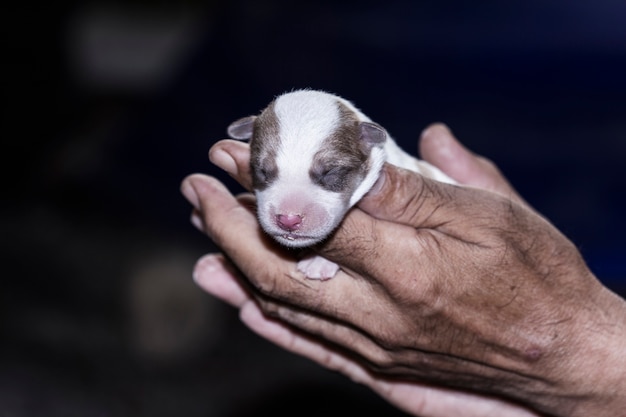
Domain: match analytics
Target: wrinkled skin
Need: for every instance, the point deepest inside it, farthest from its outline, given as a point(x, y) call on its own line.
point(451, 300)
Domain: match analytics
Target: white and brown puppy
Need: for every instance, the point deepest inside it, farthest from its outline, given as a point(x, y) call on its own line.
point(313, 155)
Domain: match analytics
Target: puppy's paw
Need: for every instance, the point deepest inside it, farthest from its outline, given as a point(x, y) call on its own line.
point(316, 267)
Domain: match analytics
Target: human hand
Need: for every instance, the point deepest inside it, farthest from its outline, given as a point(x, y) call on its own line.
point(460, 287)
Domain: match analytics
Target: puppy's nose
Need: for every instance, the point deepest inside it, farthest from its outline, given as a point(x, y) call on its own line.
point(289, 222)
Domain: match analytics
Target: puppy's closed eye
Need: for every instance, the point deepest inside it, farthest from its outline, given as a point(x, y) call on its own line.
point(334, 179)
point(264, 173)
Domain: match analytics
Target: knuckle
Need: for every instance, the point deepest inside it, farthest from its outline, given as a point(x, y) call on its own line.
point(488, 164)
point(356, 238)
point(265, 284)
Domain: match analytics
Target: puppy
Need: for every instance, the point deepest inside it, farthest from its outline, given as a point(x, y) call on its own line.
point(313, 155)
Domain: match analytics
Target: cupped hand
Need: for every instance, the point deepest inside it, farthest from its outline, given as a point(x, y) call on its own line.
point(450, 299)
point(219, 277)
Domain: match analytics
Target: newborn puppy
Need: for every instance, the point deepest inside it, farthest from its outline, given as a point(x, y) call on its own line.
point(313, 155)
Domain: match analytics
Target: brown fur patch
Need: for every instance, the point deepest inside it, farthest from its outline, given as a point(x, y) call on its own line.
point(264, 148)
point(341, 163)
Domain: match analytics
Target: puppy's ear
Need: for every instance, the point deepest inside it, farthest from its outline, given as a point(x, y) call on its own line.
point(372, 135)
point(242, 129)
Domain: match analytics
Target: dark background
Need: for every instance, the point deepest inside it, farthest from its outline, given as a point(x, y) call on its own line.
point(109, 105)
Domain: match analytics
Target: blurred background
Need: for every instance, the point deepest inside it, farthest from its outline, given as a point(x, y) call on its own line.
point(109, 105)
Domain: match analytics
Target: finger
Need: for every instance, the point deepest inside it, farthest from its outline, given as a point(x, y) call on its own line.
point(425, 400)
point(233, 157)
point(288, 338)
point(196, 220)
point(189, 192)
point(439, 147)
point(382, 349)
point(229, 222)
point(405, 197)
point(214, 274)
point(270, 267)
point(347, 326)
point(412, 397)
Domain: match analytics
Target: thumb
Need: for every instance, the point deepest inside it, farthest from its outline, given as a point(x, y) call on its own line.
point(407, 214)
point(405, 197)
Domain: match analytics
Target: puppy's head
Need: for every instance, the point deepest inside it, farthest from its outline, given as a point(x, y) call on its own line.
point(311, 159)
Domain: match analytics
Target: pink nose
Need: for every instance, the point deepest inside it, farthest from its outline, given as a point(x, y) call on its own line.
point(289, 222)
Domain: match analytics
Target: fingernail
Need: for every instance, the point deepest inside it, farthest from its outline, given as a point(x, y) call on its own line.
point(379, 184)
point(190, 194)
point(196, 220)
point(204, 268)
point(436, 131)
point(223, 160)
point(441, 137)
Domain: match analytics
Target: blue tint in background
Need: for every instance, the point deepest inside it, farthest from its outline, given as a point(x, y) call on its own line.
point(111, 104)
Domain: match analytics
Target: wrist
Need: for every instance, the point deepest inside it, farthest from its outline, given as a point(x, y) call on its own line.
point(593, 372)
point(605, 361)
